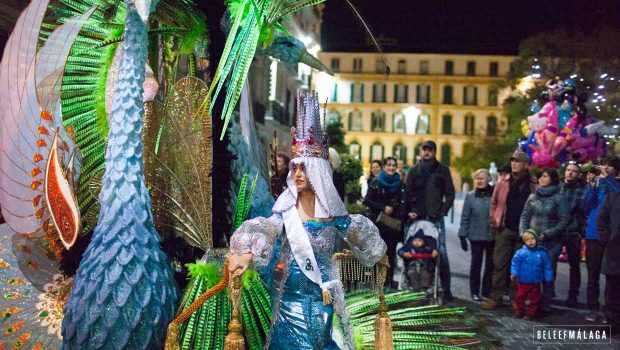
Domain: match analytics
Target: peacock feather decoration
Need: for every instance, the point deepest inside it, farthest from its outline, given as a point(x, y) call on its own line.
point(124, 294)
point(254, 24)
point(39, 164)
point(416, 324)
point(206, 328)
point(92, 67)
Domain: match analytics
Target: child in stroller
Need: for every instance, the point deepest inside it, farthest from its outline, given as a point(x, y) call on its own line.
point(419, 253)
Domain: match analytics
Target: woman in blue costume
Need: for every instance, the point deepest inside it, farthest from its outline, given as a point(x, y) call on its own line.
point(311, 218)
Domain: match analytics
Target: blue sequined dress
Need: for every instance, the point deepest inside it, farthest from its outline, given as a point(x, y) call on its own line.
point(300, 319)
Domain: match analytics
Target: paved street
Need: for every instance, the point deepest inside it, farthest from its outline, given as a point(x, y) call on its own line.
point(517, 333)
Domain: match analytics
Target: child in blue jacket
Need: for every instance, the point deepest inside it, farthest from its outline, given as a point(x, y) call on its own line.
point(530, 266)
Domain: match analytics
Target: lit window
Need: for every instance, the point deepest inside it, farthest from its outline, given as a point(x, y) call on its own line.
point(401, 92)
point(378, 121)
point(356, 121)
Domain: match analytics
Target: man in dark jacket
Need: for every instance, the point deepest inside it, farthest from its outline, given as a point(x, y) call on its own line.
point(608, 225)
point(507, 202)
point(430, 195)
point(594, 194)
point(572, 190)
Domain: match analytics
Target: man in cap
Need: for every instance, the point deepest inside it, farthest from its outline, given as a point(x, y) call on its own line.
point(430, 195)
point(506, 207)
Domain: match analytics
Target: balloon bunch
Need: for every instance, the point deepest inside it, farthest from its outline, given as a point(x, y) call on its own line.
point(562, 129)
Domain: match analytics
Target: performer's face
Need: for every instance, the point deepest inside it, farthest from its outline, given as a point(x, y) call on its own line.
point(299, 175)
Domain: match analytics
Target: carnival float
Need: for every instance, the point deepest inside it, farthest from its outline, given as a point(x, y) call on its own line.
point(124, 164)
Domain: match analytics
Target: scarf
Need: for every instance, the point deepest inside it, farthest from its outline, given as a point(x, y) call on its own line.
point(390, 182)
point(547, 191)
point(427, 167)
point(518, 179)
point(484, 192)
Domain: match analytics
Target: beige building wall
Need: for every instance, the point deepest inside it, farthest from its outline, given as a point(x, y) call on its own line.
point(420, 73)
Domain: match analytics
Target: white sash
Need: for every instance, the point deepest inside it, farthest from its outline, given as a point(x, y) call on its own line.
point(300, 246)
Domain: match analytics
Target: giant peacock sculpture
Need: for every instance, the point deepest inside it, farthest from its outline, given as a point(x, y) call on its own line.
point(124, 293)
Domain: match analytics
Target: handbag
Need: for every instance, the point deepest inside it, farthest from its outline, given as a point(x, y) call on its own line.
point(389, 222)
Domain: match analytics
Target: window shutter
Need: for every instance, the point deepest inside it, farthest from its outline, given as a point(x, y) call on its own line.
point(417, 93)
point(396, 93)
point(475, 95)
point(384, 93)
point(464, 95)
point(428, 94)
point(406, 93)
point(352, 92)
point(362, 92)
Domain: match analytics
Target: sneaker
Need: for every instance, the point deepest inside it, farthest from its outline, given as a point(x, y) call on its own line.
point(489, 304)
point(592, 316)
point(476, 297)
point(447, 297)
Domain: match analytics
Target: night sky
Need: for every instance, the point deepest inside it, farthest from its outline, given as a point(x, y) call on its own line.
point(459, 26)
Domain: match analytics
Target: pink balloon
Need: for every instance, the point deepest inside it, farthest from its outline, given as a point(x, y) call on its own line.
point(558, 145)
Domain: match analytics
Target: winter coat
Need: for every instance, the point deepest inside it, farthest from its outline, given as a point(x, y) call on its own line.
point(592, 201)
point(547, 214)
point(532, 265)
point(497, 209)
point(430, 196)
point(475, 224)
point(572, 195)
point(608, 225)
point(378, 197)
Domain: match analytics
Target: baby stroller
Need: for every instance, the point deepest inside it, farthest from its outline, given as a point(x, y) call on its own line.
point(400, 270)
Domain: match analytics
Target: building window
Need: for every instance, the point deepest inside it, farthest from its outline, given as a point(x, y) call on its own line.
point(492, 97)
point(336, 64)
point(357, 92)
point(447, 95)
point(471, 68)
point(449, 68)
point(357, 65)
point(335, 93)
point(493, 69)
point(399, 124)
point(492, 126)
point(400, 152)
point(378, 122)
point(333, 118)
point(424, 67)
point(401, 92)
point(445, 154)
point(378, 92)
point(402, 67)
point(355, 150)
point(446, 124)
point(422, 126)
point(418, 152)
point(470, 95)
point(470, 122)
point(356, 121)
point(376, 151)
point(380, 66)
point(423, 94)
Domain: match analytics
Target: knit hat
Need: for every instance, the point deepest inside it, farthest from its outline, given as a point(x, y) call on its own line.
point(419, 234)
point(532, 232)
